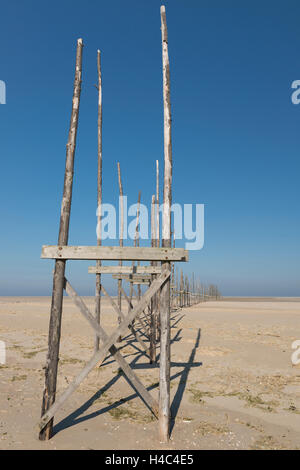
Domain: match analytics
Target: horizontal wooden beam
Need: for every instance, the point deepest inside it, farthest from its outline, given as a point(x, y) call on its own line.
point(139, 283)
point(125, 270)
point(133, 277)
point(114, 253)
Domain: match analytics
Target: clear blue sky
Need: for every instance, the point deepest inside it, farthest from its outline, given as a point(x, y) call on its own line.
point(236, 134)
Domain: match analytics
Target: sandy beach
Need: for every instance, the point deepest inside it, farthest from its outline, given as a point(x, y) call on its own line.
point(233, 383)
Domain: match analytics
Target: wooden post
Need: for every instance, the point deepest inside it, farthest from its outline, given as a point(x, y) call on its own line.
point(138, 263)
point(121, 234)
point(164, 371)
point(152, 305)
point(177, 288)
point(135, 240)
point(157, 205)
point(99, 199)
point(157, 297)
point(181, 289)
point(59, 271)
point(173, 275)
point(186, 291)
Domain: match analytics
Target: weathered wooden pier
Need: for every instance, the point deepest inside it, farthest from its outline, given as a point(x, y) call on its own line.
point(150, 310)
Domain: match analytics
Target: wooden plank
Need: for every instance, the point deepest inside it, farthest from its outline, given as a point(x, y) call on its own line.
point(125, 270)
point(141, 283)
point(100, 355)
point(59, 270)
point(114, 253)
point(132, 277)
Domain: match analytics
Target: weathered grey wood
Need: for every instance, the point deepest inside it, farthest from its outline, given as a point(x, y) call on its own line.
point(99, 199)
point(125, 270)
point(181, 289)
point(172, 273)
point(59, 271)
point(133, 277)
point(130, 307)
point(135, 242)
point(157, 296)
point(139, 317)
point(152, 337)
point(141, 283)
point(137, 239)
point(164, 371)
point(157, 205)
point(120, 314)
point(121, 235)
point(100, 355)
point(139, 387)
point(127, 253)
point(177, 288)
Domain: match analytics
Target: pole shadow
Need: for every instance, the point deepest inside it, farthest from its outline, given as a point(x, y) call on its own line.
point(183, 381)
point(76, 416)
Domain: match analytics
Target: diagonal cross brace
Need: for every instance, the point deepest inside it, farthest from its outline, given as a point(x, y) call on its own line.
point(130, 308)
point(113, 350)
point(120, 314)
point(107, 343)
point(143, 323)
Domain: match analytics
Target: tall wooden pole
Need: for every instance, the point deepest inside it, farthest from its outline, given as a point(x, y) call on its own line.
point(121, 235)
point(153, 303)
point(177, 289)
point(181, 289)
point(99, 198)
point(157, 296)
point(157, 205)
point(164, 374)
point(173, 274)
point(136, 235)
point(59, 271)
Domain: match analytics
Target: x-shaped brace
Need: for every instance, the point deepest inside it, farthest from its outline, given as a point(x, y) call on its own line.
point(108, 344)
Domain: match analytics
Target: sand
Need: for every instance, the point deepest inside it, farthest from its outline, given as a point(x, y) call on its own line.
point(233, 383)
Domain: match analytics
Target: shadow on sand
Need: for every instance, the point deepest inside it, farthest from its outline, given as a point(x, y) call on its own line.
point(76, 417)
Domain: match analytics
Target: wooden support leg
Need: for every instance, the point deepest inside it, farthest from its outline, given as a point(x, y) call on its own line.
point(59, 271)
point(53, 346)
point(99, 198)
point(152, 336)
point(164, 370)
point(97, 307)
point(152, 304)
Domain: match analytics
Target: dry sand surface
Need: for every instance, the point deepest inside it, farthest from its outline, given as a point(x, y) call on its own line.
point(233, 383)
